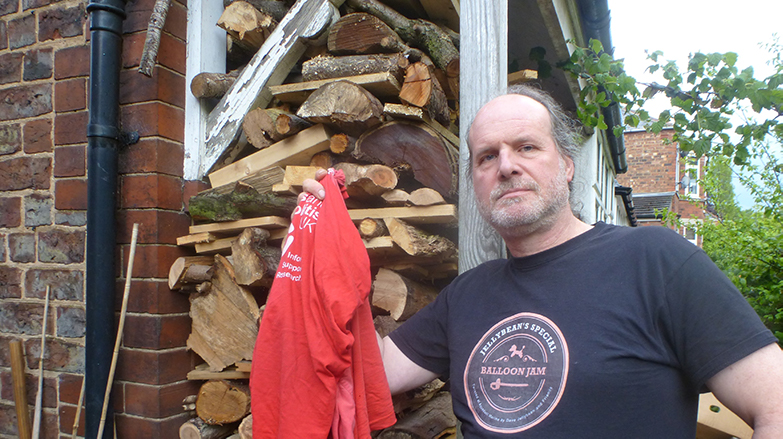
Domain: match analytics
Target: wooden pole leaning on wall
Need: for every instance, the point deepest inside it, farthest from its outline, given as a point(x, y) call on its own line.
point(39, 395)
point(123, 310)
point(20, 390)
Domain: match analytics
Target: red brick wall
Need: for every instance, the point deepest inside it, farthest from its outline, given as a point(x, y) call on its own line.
point(651, 162)
point(44, 68)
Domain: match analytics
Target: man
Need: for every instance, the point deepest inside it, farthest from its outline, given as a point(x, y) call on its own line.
point(589, 330)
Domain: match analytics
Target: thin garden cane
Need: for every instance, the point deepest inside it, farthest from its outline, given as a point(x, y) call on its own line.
point(39, 396)
point(78, 411)
point(119, 330)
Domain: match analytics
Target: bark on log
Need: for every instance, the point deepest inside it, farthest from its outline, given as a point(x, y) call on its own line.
point(246, 24)
point(221, 402)
point(408, 144)
point(197, 429)
point(399, 296)
point(276, 8)
point(152, 41)
point(351, 108)
point(212, 85)
point(370, 228)
point(249, 268)
point(262, 181)
point(433, 420)
point(361, 33)
point(190, 270)
point(264, 127)
point(225, 320)
point(384, 325)
point(418, 397)
point(245, 429)
point(417, 242)
point(425, 197)
point(422, 89)
point(364, 182)
point(329, 67)
point(243, 202)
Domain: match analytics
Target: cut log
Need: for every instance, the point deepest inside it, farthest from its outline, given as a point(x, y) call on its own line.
point(152, 41)
point(197, 429)
point(225, 320)
point(190, 270)
point(435, 419)
point(382, 85)
point(370, 228)
point(425, 197)
point(396, 197)
point(276, 8)
point(361, 33)
point(342, 143)
point(399, 296)
point(350, 107)
point(422, 89)
point(330, 67)
point(242, 203)
point(294, 150)
point(249, 26)
point(367, 181)
point(322, 159)
point(212, 85)
point(261, 126)
point(221, 402)
point(250, 269)
point(189, 405)
point(402, 111)
point(434, 162)
point(287, 124)
point(245, 429)
point(417, 242)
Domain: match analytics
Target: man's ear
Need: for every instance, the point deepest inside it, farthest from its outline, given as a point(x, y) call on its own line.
point(569, 168)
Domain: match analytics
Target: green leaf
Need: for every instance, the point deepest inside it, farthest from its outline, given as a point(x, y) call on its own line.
point(596, 46)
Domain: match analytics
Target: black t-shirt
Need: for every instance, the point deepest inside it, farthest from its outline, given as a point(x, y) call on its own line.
point(611, 334)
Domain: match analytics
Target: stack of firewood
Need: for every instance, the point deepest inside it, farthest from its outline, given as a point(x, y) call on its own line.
point(374, 96)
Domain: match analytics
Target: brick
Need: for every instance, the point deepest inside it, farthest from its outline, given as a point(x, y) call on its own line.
point(70, 95)
point(154, 119)
point(65, 284)
point(10, 139)
point(2, 252)
point(38, 136)
point(67, 414)
point(152, 155)
point(25, 173)
point(8, 7)
point(151, 190)
point(10, 282)
point(71, 322)
point(155, 226)
point(192, 187)
point(164, 85)
point(8, 425)
point(38, 210)
point(69, 388)
point(156, 332)
point(38, 64)
point(61, 246)
point(25, 101)
point(32, 4)
point(157, 401)
point(69, 161)
point(10, 212)
point(72, 62)
point(154, 367)
point(153, 260)
point(61, 355)
point(70, 128)
point(70, 194)
point(70, 218)
point(61, 23)
point(21, 247)
point(153, 297)
point(134, 426)
point(23, 318)
point(10, 67)
point(3, 35)
point(21, 32)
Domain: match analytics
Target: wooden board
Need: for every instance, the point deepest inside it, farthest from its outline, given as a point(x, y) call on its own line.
point(294, 150)
point(195, 238)
point(441, 214)
point(223, 245)
point(202, 372)
point(265, 222)
point(382, 85)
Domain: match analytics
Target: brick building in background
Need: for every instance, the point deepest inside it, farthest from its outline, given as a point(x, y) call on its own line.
point(44, 72)
point(663, 177)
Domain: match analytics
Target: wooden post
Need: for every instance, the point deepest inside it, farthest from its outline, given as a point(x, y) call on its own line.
point(483, 76)
point(20, 389)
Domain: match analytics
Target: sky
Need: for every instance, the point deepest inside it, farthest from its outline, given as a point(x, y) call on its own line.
point(680, 27)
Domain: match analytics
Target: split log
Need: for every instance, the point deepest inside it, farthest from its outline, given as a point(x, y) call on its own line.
point(422, 89)
point(197, 429)
point(296, 175)
point(243, 202)
point(371, 228)
point(225, 320)
point(262, 181)
point(396, 197)
point(245, 429)
point(330, 67)
point(417, 242)
point(361, 33)
point(212, 85)
point(435, 419)
point(435, 163)
point(250, 267)
point(342, 143)
point(367, 181)
point(399, 296)
point(425, 197)
point(221, 402)
point(190, 270)
point(246, 24)
point(344, 104)
point(276, 8)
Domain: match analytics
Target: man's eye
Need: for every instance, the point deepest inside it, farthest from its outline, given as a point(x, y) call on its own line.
point(526, 148)
point(487, 157)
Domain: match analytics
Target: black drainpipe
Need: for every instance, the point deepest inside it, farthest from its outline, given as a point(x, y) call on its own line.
point(103, 141)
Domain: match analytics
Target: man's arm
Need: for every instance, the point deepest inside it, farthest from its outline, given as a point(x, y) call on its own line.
point(401, 373)
point(753, 389)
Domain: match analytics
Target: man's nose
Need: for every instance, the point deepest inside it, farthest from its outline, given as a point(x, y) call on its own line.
point(507, 164)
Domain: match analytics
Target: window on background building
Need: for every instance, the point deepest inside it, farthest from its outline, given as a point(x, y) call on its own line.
point(689, 180)
point(603, 188)
point(688, 231)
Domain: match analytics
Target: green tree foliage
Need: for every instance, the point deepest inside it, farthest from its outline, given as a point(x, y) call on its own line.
point(707, 100)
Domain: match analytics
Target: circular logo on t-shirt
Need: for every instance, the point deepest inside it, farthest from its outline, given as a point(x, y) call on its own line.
point(516, 374)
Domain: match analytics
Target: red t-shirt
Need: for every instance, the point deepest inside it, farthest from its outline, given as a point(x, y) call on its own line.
point(316, 343)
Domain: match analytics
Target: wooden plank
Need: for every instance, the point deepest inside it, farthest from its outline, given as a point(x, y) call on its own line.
point(721, 423)
point(440, 214)
point(418, 114)
point(264, 222)
point(269, 66)
point(223, 245)
point(294, 150)
point(443, 12)
point(381, 85)
point(196, 238)
point(202, 372)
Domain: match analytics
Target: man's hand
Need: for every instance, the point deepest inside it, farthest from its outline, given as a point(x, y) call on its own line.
point(313, 186)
